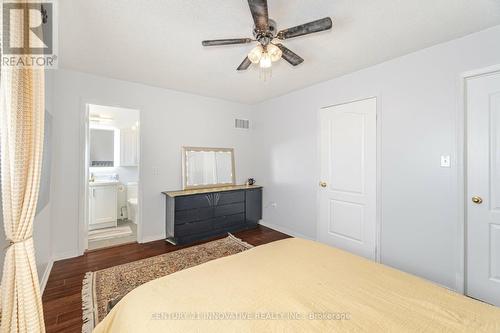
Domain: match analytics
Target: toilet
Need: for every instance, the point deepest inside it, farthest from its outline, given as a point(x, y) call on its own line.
point(132, 202)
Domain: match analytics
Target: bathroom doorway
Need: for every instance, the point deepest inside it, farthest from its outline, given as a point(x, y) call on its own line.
point(112, 162)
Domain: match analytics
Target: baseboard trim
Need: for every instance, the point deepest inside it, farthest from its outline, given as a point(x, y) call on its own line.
point(285, 230)
point(148, 239)
point(279, 228)
point(65, 255)
point(45, 276)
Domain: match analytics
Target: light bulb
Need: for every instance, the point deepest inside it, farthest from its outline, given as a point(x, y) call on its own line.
point(256, 54)
point(265, 60)
point(274, 52)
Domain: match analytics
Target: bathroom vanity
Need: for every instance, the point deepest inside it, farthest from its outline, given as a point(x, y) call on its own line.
point(197, 214)
point(102, 204)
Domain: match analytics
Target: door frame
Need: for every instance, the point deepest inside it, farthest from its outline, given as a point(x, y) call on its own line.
point(462, 172)
point(378, 202)
point(84, 157)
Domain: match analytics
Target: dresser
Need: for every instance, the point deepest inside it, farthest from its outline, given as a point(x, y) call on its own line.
point(193, 215)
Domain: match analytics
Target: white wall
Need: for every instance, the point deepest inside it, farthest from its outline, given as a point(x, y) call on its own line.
point(169, 120)
point(42, 227)
point(42, 238)
point(419, 98)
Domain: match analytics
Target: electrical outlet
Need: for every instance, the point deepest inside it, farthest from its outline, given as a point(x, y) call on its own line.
point(270, 204)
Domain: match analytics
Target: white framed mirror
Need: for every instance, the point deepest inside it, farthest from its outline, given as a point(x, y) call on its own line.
point(204, 167)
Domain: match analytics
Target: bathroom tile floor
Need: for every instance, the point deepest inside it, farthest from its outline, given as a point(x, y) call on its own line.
point(99, 244)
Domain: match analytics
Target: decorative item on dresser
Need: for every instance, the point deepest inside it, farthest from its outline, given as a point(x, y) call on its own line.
point(193, 215)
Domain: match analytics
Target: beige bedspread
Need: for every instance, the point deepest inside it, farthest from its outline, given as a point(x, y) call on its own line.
point(296, 285)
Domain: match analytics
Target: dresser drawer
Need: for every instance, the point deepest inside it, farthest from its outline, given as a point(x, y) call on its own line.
point(193, 228)
point(192, 201)
point(192, 215)
point(230, 197)
point(230, 209)
point(228, 221)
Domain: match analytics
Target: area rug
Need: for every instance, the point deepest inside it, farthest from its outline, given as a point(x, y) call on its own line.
point(108, 233)
point(103, 289)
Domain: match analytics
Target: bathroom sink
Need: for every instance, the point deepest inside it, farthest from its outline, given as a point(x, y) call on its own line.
point(102, 182)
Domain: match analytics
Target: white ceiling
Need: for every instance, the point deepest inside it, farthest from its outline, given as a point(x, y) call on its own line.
point(158, 42)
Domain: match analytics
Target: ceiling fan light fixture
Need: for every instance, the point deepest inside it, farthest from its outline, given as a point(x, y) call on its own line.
point(256, 54)
point(274, 52)
point(265, 61)
point(265, 33)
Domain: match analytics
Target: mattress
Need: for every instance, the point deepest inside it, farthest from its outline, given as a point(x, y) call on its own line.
point(296, 285)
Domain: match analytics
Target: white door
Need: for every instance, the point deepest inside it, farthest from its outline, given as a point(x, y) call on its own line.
point(483, 188)
point(347, 216)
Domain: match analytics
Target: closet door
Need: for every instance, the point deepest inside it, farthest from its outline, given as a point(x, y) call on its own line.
point(483, 187)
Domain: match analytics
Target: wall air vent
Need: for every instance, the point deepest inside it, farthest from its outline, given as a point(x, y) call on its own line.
point(242, 123)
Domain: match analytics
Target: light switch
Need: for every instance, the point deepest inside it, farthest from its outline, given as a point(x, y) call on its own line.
point(156, 171)
point(445, 161)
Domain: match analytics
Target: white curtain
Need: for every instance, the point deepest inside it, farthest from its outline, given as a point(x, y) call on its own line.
point(21, 139)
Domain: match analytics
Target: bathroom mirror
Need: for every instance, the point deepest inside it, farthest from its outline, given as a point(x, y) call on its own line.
point(207, 167)
point(102, 147)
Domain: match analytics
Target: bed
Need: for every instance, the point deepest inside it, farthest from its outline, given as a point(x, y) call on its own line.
point(295, 285)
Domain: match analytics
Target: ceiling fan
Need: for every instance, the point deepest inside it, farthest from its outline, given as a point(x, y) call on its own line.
point(270, 49)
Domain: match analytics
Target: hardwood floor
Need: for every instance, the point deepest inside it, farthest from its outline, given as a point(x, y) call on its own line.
point(62, 302)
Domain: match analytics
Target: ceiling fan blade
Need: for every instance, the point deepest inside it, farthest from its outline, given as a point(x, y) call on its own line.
point(217, 42)
point(291, 57)
point(260, 14)
point(305, 29)
point(244, 65)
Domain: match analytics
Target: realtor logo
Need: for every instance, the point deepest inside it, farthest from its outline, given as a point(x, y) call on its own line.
point(35, 44)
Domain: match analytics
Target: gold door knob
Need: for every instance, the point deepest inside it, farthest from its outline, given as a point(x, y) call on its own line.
point(322, 184)
point(477, 200)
